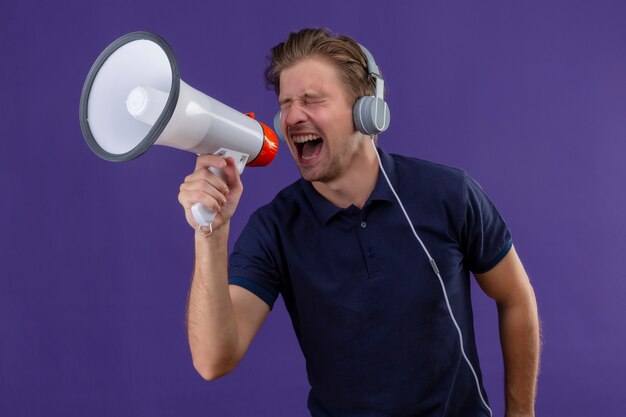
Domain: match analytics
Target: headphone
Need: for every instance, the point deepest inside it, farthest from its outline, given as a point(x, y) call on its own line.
point(370, 113)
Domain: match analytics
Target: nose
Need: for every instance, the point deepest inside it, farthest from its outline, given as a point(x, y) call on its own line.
point(294, 115)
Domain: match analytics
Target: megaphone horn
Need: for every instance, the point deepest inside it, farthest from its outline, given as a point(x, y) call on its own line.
point(133, 98)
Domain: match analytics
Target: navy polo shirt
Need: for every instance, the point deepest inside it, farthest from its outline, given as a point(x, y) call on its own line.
point(366, 307)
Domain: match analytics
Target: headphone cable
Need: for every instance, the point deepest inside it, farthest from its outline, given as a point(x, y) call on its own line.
point(435, 269)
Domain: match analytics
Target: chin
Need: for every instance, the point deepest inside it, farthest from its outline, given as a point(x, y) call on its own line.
point(308, 174)
point(324, 176)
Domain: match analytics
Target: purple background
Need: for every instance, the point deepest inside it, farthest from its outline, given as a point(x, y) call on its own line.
point(96, 257)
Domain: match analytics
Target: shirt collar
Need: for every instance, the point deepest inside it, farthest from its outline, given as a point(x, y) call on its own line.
point(325, 210)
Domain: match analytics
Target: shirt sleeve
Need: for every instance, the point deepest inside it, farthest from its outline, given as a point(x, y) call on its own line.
point(486, 236)
point(254, 261)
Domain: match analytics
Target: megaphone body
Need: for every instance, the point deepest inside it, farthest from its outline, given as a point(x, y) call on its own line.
point(133, 98)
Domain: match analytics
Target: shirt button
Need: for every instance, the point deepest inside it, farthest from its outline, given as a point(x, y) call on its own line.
point(370, 253)
point(363, 225)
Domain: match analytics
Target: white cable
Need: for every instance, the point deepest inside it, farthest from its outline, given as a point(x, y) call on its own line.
point(433, 264)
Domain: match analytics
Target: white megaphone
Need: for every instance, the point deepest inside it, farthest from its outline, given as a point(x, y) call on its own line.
point(133, 98)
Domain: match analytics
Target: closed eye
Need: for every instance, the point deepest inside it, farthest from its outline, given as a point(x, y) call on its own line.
point(312, 98)
point(314, 101)
point(304, 100)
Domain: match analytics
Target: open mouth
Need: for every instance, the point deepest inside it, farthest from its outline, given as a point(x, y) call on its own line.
point(308, 146)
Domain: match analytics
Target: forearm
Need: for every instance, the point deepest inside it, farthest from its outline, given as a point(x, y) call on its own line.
point(520, 338)
point(211, 325)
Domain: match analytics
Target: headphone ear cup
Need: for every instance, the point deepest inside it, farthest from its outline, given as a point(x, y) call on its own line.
point(277, 129)
point(371, 115)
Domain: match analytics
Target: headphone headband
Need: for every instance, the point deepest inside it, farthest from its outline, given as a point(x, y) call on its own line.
point(373, 71)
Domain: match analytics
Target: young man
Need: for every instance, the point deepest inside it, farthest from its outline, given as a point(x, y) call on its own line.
point(368, 310)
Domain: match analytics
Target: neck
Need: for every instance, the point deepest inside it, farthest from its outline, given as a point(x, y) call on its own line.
point(356, 184)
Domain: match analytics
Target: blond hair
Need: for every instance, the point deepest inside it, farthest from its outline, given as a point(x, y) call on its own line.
point(343, 51)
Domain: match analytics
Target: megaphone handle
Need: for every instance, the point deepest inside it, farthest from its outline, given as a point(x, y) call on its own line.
point(203, 216)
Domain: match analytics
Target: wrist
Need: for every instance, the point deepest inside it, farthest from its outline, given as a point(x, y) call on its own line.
point(519, 413)
point(210, 250)
point(211, 233)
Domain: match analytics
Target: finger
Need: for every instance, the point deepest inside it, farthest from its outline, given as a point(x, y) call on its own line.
point(203, 187)
point(231, 172)
point(203, 174)
point(206, 161)
point(188, 198)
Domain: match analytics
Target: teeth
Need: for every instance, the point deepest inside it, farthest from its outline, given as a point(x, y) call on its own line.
point(304, 138)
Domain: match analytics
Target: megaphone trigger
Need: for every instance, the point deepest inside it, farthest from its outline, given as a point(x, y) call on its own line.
point(203, 216)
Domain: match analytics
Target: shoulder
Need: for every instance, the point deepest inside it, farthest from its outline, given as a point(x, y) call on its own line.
point(430, 178)
point(285, 205)
point(424, 167)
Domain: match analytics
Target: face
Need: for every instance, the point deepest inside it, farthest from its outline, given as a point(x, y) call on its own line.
point(316, 117)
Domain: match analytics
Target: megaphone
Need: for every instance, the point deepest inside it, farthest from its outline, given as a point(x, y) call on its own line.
point(133, 98)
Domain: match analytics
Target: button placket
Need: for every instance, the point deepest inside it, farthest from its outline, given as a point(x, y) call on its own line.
point(368, 246)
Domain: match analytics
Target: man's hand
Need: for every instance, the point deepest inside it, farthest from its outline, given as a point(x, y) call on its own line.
point(217, 195)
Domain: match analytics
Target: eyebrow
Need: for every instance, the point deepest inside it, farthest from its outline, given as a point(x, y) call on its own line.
point(306, 95)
